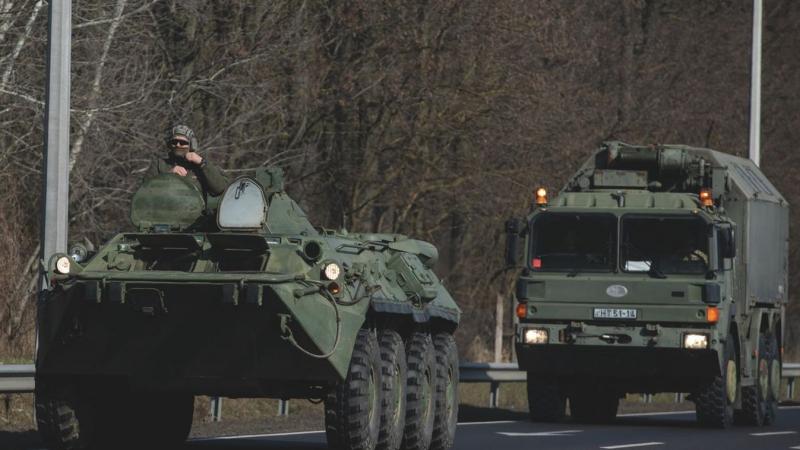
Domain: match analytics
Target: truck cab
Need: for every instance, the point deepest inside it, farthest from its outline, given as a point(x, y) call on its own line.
point(655, 269)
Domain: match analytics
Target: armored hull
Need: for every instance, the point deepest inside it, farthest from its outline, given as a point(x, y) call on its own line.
point(245, 298)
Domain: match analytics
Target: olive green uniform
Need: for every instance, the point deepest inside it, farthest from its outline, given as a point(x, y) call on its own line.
point(207, 177)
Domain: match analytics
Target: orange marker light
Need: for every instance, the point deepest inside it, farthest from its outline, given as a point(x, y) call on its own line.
point(705, 197)
point(522, 310)
point(541, 197)
point(712, 314)
point(334, 288)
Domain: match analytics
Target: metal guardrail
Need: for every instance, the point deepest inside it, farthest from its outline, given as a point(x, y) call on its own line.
point(16, 378)
point(19, 379)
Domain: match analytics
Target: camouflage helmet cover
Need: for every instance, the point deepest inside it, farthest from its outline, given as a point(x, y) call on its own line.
point(181, 130)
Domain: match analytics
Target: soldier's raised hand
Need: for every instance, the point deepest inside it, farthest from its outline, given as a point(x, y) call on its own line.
point(194, 157)
point(179, 170)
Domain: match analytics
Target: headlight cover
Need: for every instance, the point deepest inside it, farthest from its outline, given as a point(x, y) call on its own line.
point(63, 265)
point(695, 341)
point(535, 336)
point(332, 271)
point(78, 253)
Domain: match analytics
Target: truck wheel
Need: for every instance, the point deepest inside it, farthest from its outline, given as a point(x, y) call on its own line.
point(771, 386)
point(420, 391)
point(446, 397)
point(755, 397)
point(352, 409)
point(393, 390)
point(546, 401)
point(594, 407)
point(775, 370)
point(66, 420)
point(714, 401)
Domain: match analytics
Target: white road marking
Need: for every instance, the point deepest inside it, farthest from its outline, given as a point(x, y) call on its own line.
point(252, 436)
point(773, 433)
point(663, 413)
point(640, 444)
point(796, 447)
point(541, 433)
point(300, 433)
point(498, 422)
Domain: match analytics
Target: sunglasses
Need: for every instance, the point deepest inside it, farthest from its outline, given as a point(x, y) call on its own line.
point(178, 143)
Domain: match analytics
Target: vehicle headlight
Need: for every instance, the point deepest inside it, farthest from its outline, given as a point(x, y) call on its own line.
point(535, 336)
point(63, 265)
point(78, 253)
point(695, 341)
point(332, 271)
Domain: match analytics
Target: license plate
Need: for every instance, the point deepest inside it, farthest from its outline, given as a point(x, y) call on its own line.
point(615, 313)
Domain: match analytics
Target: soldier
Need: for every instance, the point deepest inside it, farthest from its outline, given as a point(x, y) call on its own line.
point(183, 160)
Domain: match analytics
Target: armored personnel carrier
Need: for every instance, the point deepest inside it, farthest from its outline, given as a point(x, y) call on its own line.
point(655, 269)
point(243, 297)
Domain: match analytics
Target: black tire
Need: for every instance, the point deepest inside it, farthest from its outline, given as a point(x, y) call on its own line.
point(754, 398)
point(66, 420)
point(546, 399)
point(713, 404)
point(775, 370)
point(593, 406)
point(420, 389)
point(352, 409)
point(107, 414)
point(446, 399)
point(158, 420)
point(393, 390)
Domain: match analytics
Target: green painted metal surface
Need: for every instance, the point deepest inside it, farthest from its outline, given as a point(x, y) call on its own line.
point(240, 296)
point(628, 257)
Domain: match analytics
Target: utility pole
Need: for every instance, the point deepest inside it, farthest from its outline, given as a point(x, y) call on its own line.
point(56, 126)
point(755, 86)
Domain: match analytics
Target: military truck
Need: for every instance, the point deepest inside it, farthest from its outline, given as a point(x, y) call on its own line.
point(241, 296)
point(655, 269)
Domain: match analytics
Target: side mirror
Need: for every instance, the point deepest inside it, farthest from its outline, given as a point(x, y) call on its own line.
point(726, 240)
point(512, 241)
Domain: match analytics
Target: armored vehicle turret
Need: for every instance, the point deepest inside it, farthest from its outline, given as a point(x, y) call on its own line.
point(655, 269)
point(241, 296)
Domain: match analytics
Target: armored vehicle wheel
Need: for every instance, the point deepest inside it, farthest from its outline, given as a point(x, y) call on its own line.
point(758, 403)
point(352, 409)
point(546, 400)
point(66, 420)
point(420, 389)
point(446, 396)
point(393, 390)
point(593, 407)
point(714, 401)
point(157, 419)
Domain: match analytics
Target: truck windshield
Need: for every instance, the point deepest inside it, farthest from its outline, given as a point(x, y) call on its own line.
point(575, 243)
point(665, 245)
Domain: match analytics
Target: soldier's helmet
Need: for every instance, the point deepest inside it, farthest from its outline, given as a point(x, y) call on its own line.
point(181, 130)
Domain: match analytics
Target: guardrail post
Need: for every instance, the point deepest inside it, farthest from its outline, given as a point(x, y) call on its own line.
point(790, 388)
point(283, 407)
point(494, 394)
point(216, 409)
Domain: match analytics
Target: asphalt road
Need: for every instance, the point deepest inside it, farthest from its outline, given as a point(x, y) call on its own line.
point(675, 430)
